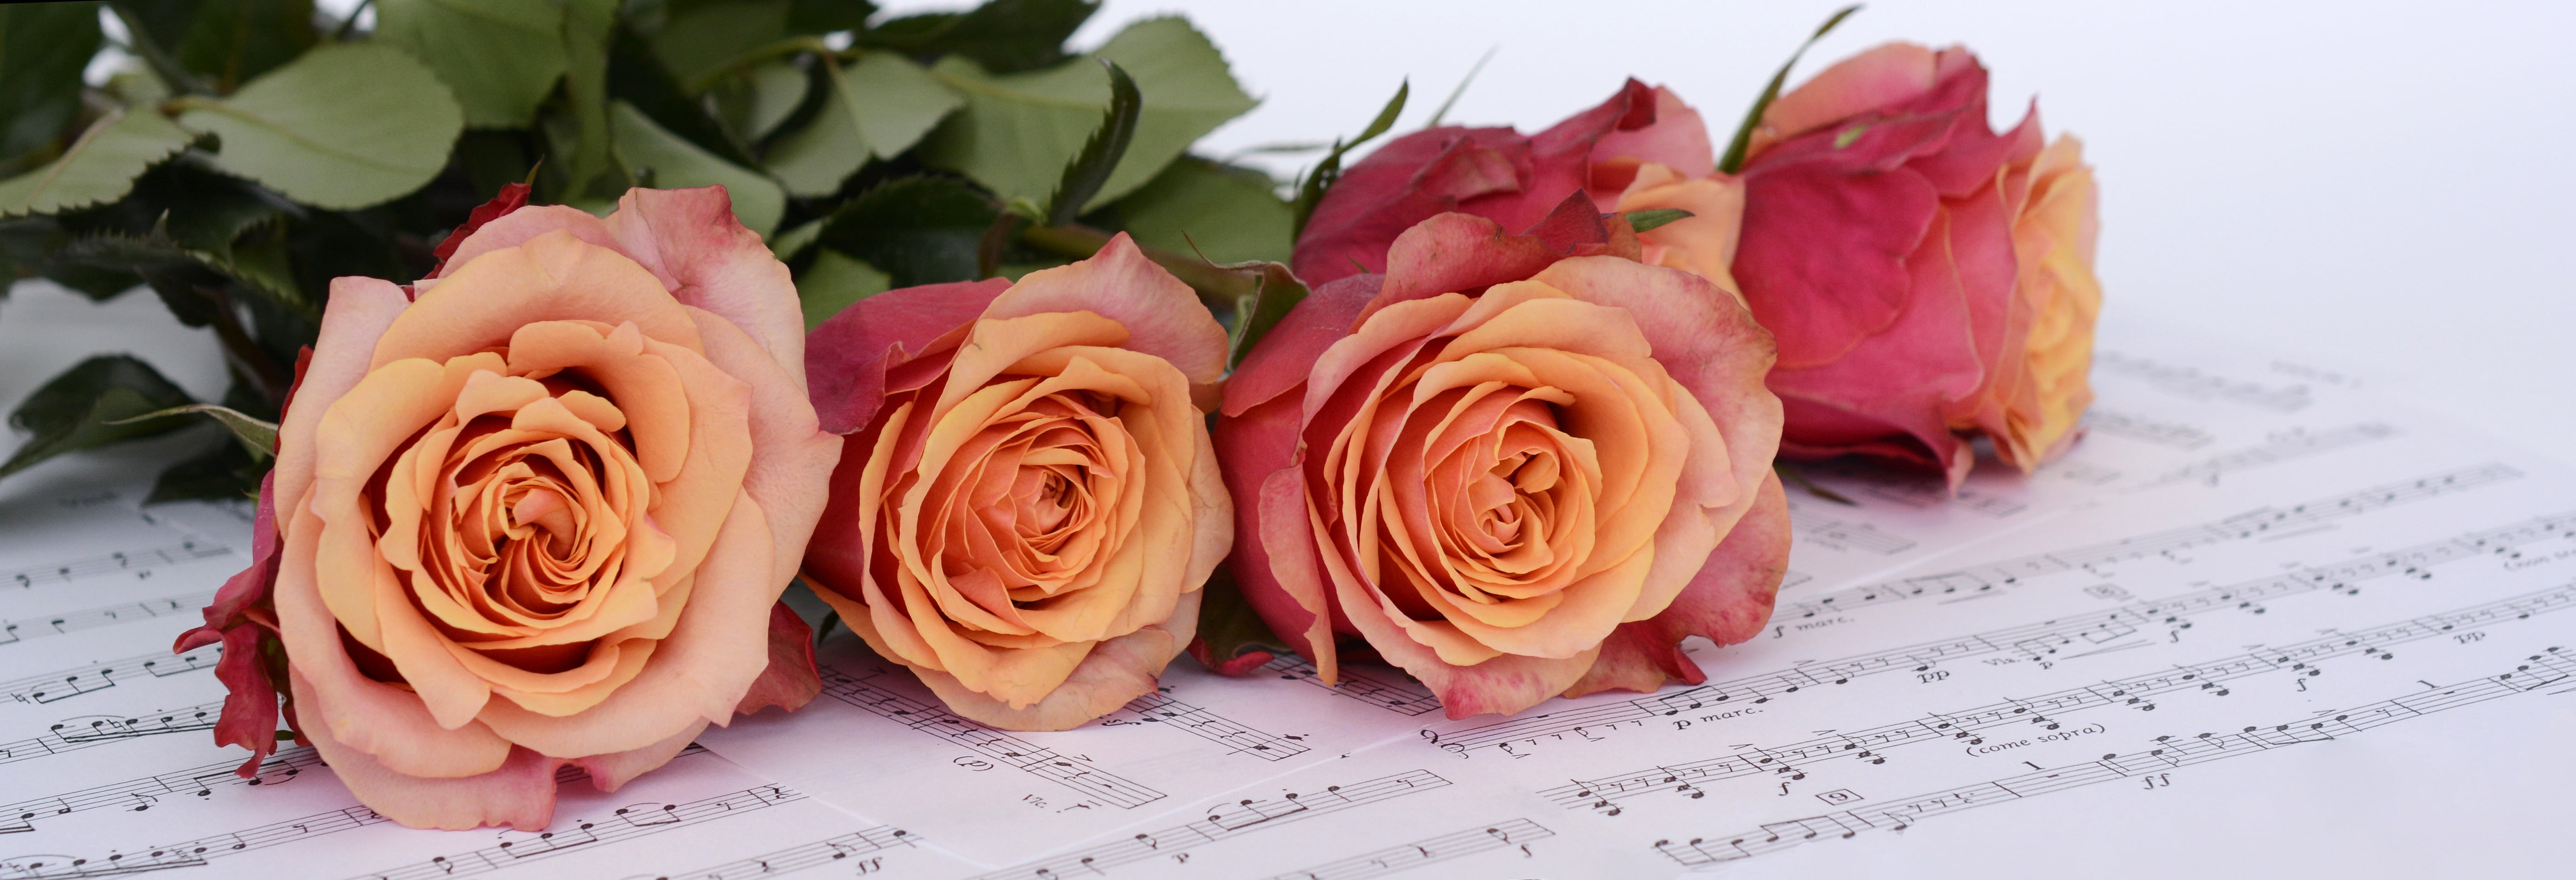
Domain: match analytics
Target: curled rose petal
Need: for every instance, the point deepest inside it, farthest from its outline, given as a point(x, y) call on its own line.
point(1029, 503)
point(538, 515)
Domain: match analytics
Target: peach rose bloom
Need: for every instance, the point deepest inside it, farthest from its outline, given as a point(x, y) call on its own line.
point(1510, 469)
point(1928, 278)
point(1028, 505)
point(541, 514)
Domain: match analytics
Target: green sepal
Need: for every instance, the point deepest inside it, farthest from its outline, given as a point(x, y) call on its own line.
point(1733, 161)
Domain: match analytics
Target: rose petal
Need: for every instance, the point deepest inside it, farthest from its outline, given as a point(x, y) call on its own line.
point(1113, 673)
point(519, 792)
point(791, 680)
point(846, 358)
point(358, 312)
point(689, 239)
point(553, 277)
point(1162, 315)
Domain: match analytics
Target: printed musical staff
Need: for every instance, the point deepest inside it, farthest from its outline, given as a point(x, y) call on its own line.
point(139, 795)
point(626, 823)
point(149, 609)
point(2288, 447)
point(1160, 708)
point(54, 867)
point(73, 734)
point(1853, 536)
point(2046, 711)
point(1385, 690)
point(1223, 822)
point(838, 849)
point(1009, 750)
point(2541, 670)
point(2192, 383)
point(2244, 526)
point(2172, 434)
point(139, 563)
point(68, 683)
point(301, 828)
point(1514, 834)
point(2033, 641)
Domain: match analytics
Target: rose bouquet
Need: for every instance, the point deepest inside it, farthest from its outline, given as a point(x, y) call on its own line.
point(944, 323)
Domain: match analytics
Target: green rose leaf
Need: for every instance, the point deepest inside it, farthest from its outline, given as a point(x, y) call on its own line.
point(919, 230)
point(1223, 213)
point(345, 126)
point(756, 101)
point(43, 49)
point(222, 472)
point(834, 282)
point(76, 410)
point(701, 37)
point(500, 57)
point(99, 167)
point(1001, 36)
point(1100, 155)
point(1019, 130)
point(226, 42)
point(879, 105)
point(671, 162)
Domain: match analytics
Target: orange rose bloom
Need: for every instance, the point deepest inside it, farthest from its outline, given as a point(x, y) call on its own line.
point(1513, 466)
point(1030, 506)
point(541, 514)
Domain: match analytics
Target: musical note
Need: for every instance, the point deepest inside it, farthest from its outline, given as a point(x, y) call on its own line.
point(1159, 708)
point(1514, 834)
point(2172, 434)
point(2190, 382)
point(68, 683)
point(72, 734)
point(1398, 695)
point(1002, 747)
point(136, 563)
point(1244, 816)
point(2290, 446)
point(92, 618)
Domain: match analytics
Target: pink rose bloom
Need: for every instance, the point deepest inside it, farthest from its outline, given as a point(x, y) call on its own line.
point(1513, 466)
point(536, 510)
point(1640, 150)
point(1028, 505)
point(1928, 280)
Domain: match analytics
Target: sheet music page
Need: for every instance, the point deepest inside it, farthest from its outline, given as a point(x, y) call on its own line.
point(2253, 583)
